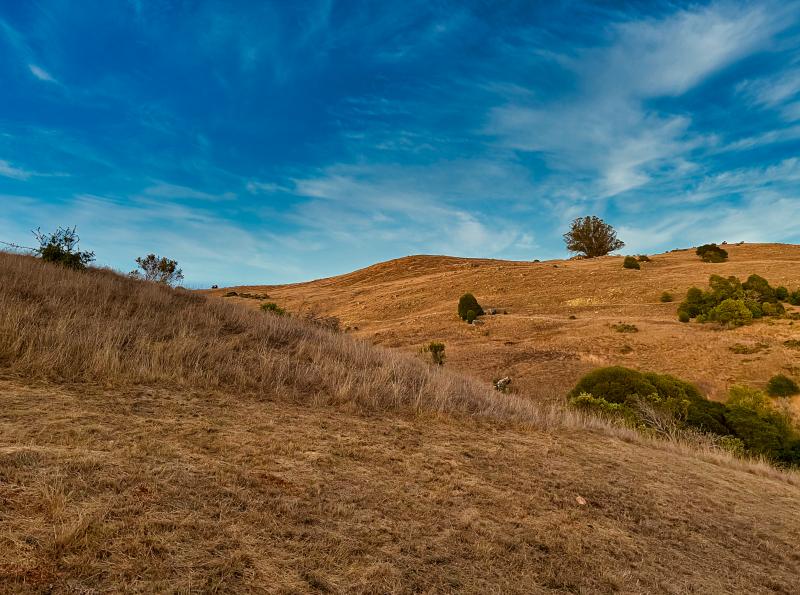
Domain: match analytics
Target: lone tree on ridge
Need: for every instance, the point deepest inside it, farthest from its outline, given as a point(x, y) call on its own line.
point(591, 236)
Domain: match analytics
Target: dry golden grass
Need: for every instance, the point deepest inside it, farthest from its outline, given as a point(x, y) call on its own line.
point(154, 440)
point(408, 302)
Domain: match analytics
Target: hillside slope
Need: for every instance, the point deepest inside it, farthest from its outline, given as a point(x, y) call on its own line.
point(411, 301)
point(153, 440)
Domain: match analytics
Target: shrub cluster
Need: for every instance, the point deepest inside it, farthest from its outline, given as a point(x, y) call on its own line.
point(273, 308)
point(630, 262)
point(712, 253)
point(657, 400)
point(469, 308)
point(731, 302)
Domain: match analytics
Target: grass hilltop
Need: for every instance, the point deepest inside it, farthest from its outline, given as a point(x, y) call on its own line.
point(160, 440)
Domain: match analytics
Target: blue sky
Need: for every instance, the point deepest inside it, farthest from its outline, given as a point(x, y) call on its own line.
point(264, 142)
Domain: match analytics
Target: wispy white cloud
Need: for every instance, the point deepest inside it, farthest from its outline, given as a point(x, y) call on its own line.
point(165, 190)
point(606, 129)
point(16, 173)
point(41, 74)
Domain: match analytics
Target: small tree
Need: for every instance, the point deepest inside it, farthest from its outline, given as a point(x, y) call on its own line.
point(591, 236)
point(158, 269)
point(62, 247)
point(436, 350)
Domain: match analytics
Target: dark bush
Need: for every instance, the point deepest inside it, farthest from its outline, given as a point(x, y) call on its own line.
point(643, 258)
point(63, 247)
point(666, 297)
point(782, 293)
point(794, 298)
point(712, 253)
point(781, 385)
point(471, 316)
point(468, 303)
point(759, 289)
point(631, 263)
point(683, 316)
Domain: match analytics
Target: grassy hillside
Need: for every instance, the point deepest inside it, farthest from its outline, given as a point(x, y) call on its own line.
point(155, 440)
point(410, 301)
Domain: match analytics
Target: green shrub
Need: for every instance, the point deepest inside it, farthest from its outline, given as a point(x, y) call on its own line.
point(643, 258)
point(436, 350)
point(624, 327)
point(631, 263)
point(782, 293)
point(273, 308)
point(727, 299)
point(712, 253)
point(466, 304)
point(666, 297)
point(746, 421)
point(731, 312)
point(794, 298)
point(62, 247)
point(781, 385)
point(588, 402)
point(471, 316)
point(760, 287)
point(683, 316)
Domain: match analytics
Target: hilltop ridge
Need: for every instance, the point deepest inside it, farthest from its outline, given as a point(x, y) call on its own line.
point(406, 302)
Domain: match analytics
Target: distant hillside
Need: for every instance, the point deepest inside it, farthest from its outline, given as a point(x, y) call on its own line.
point(407, 302)
point(155, 440)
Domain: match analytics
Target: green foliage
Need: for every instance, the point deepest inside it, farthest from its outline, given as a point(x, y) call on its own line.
point(630, 262)
point(683, 316)
point(712, 253)
point(62, 247)
point(591, 236)
point(471, 316)
point(158, 269)
point(468, 303)
point(666, 297)
point(781, 293)
point(731, 312)
point(436, 351)
point(588, 402)
point(624, 327)
point(643, 258)
point(731, 302)
point(794, 298)
point(273, 308)
point(781, 385)
point(747, 421)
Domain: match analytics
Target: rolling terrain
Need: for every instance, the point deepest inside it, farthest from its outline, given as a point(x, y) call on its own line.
point(157, 440)
point(408, 302)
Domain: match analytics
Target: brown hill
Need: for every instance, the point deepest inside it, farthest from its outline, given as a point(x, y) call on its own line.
point(407, 302)
point(153, 440)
